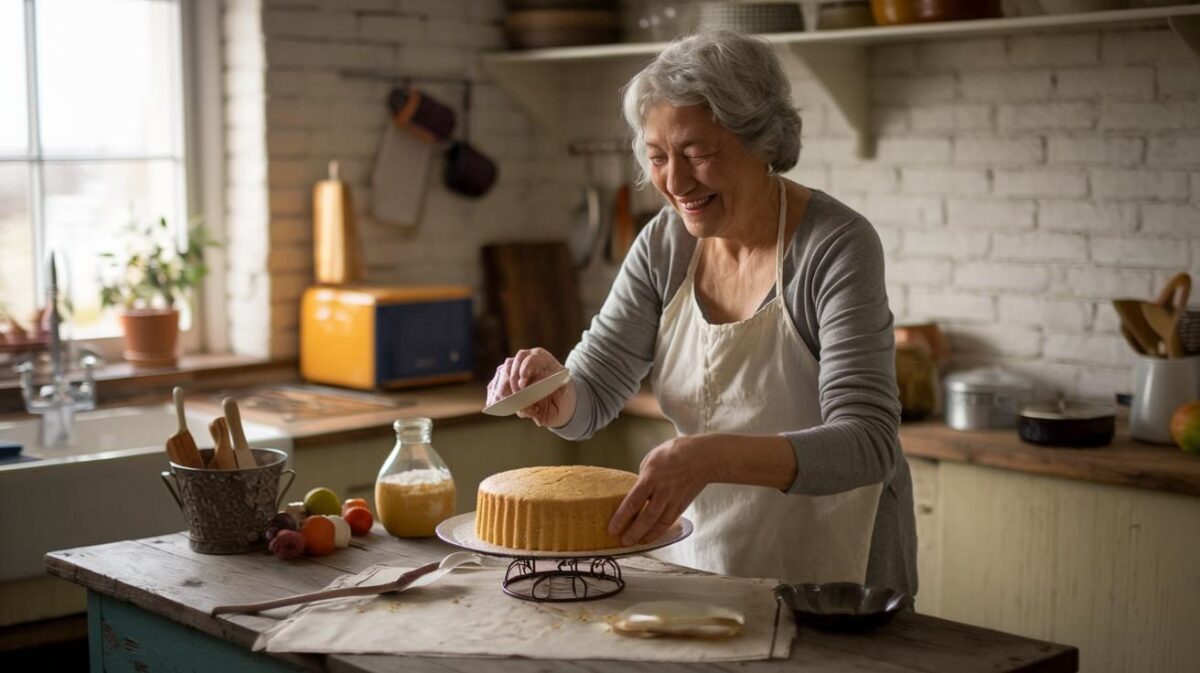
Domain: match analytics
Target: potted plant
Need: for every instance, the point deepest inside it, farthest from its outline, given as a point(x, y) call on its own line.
point(147, 281)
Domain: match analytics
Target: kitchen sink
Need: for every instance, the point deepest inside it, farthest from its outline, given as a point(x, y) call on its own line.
point(104, 487)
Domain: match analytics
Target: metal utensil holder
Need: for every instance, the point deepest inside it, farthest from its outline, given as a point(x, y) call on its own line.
point(570, 580)
point(1189, 332)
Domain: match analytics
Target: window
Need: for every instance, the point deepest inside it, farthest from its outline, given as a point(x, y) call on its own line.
point(91, 135)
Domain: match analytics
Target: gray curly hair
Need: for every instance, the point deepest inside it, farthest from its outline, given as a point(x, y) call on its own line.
point(738, 77)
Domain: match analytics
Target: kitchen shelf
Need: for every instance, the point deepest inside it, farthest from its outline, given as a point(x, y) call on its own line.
point(836, 58)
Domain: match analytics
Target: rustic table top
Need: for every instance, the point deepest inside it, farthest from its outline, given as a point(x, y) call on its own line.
point(163, 576)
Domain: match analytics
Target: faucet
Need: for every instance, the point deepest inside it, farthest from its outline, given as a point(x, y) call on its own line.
point(58, 401)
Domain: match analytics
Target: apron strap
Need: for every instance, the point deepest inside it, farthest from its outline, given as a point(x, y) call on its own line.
point(779, 240)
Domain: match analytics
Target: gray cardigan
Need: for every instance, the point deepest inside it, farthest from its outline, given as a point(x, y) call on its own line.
point(834, 291)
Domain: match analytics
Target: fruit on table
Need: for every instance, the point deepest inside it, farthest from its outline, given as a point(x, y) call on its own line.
point(297, 510)
point(280, 522)
point(1185, 427)
point(287, 544)
point(319, 534)
point(359, 518)
point(341, 531)
point(321, 500)
point(353, 502)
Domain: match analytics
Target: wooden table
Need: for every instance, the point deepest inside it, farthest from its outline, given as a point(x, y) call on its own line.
point(149, 602)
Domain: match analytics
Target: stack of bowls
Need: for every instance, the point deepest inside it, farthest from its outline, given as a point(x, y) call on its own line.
point(538, 24)
point(752, 17)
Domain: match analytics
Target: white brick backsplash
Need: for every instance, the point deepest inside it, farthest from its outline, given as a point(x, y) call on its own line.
point(390, 29)
point(989, 86)
point(1105, 284)
point(290, 259)
point(948, 181)
point(1144, 46)
point(995, 340)
point(434, 8)
point(951, 117)
point(1133, 82)
point(890, 238)
point(1084, 349)
point(999, 152)
point(999, 276)
point(289, 201)
point(1175, 152)
point(1046, 117)
point(1103, 383)
point(889, 59)
point(1195, 188)
point(1149, 116)
point(1040, 182)
point(914, 90)
point(826, 150)
point(927, 304)
point(431, 61)
point(1039, 247)
point(990, 214)
point(291, 231)
point(1141, 251)
point(1182, 220)
point(909, 151)
point(1087, 216)
point(957, 245)
point(860, 178)
point(919, 272)
point(887, 120)
point(902, 209)
point(1139, 184)
point(324, 25)
point(1092, 150)
point(1061, 49)
point(1053, 315)
point(981, 53)
point(1181, 79)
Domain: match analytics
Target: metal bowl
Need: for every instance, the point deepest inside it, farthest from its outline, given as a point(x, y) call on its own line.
point(843, 606)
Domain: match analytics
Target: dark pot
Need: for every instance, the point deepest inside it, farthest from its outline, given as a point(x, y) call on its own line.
point(468, 171)
point(1067, 423)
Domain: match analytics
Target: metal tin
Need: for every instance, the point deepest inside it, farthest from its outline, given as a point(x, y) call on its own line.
point(985, 399)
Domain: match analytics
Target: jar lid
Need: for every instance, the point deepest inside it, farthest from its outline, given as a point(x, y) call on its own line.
point(987, 379)
point(418, 423)
point(1060, 410)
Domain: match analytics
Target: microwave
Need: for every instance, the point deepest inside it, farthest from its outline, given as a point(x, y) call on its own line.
point(376, 337)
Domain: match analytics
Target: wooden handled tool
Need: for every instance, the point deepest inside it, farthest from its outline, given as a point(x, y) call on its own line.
point(223, 456)
point(181, 448)
point(241, 450)
point(399, 583)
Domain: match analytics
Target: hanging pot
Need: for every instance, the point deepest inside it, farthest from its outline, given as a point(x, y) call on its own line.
point(468, 171)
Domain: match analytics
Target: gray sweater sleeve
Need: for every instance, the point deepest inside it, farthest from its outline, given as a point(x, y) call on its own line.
point(834, 291)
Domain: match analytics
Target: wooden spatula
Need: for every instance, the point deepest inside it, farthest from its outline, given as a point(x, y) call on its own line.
point(223, 456)
point(1133, 320)
point(241, 450)
point(180, 446)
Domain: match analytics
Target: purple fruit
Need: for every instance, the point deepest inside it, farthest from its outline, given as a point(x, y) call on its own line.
point(287, 544)
point(279, 522)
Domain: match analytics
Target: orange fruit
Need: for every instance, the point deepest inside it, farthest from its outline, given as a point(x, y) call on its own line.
point(318, 535)
point(353, 502)
point(360, 520)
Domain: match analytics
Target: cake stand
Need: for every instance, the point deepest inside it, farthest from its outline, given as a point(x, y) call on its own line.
point(572, 576)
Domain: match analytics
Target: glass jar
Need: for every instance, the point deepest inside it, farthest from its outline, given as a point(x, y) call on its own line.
point(414, 491)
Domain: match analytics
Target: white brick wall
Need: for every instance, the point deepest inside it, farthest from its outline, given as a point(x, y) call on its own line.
point(1020, 183)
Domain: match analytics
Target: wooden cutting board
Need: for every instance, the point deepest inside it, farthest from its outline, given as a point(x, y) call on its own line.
point(533, 291)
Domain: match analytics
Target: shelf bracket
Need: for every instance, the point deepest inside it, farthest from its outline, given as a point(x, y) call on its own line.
point(841, 69)
point(1187, 28)
point(536, 86)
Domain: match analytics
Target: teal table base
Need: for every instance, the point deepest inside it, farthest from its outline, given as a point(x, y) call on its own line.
point(123, 637)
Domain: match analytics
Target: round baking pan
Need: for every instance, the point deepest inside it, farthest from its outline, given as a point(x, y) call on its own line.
point(1067, 423)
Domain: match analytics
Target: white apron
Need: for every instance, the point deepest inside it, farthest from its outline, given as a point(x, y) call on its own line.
point(755, 377)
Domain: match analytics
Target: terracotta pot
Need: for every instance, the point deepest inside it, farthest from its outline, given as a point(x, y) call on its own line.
point(150, 336)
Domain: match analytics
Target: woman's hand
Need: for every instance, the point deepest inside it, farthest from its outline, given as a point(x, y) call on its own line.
point(525, 368)
point(671, 476)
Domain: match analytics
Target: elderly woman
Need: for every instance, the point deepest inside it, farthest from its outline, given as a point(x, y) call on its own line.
point(758, 308)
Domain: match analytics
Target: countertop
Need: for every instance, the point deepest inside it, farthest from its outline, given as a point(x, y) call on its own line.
point(149, 607)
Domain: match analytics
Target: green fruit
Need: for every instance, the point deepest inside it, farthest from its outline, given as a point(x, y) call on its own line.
point(1185, 427)
point(322, 501)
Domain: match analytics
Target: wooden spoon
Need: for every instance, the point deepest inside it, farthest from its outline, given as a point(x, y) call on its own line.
point(1175, 293)
point(223, 456)
point(1166, 323)
point(180, 446)
point(1134, 321)
point(241, 450)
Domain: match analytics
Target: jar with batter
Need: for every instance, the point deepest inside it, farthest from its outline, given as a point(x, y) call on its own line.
point(414, 491)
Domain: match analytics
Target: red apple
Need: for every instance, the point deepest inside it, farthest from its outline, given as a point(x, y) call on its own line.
point(1185, 427)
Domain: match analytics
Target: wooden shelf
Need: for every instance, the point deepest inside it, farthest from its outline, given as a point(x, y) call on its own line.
point(837, 58)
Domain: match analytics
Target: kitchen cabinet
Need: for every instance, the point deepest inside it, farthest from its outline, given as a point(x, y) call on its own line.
point(149, 603)
point(837, 59)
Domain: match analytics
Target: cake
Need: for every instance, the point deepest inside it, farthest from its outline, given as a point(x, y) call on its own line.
point(557, 508)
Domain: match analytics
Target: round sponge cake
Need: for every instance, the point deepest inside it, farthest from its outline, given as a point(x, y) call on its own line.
point(554, 508)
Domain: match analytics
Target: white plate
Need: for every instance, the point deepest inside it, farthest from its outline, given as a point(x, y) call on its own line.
point(460, 532)
point(531, 394)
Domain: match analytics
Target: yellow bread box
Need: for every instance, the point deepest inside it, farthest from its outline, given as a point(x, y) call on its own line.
point(373, 337)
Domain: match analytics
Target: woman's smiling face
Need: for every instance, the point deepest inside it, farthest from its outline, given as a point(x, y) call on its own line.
point(705, 172)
